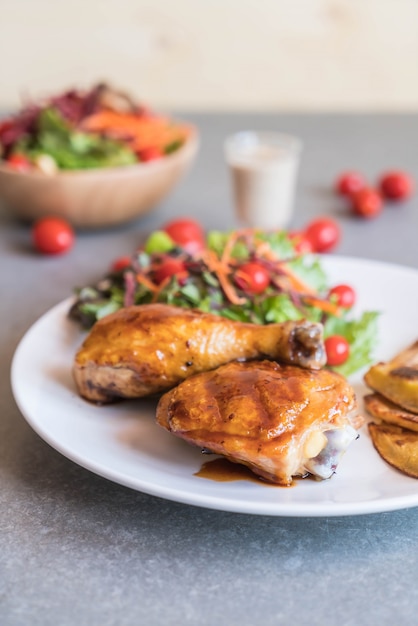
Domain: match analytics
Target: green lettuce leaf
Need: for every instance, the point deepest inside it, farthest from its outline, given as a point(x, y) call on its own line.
point(361, 334)
point(74, 150)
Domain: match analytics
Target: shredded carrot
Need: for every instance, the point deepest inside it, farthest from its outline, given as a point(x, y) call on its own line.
point(230, 243)
point(222, 268)
point(297, 283)
point(263, 249)
point(156, 289)
point(143, 280)
point(160, 288)
point(140, 132)
point(325, 305)
point(221, 271)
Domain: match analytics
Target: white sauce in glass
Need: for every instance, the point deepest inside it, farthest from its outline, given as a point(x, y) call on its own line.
point(263, 170)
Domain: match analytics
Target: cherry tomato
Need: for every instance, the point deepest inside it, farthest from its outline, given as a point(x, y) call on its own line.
point(150, 154)
point(121, 263)
point(396, 185)
point(323, 234)
point(19, 162)
point(187, 233)
point(343, 295)
point(349, 183)
point(300, 242)
point(252, 277)
point(168, 267)
point(367, 203)
point(52, 235)
point(337, 349)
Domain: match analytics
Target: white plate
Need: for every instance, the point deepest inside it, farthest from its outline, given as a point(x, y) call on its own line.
point(122, 442)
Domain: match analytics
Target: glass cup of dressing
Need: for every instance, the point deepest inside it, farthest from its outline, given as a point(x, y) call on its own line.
point(263, 168)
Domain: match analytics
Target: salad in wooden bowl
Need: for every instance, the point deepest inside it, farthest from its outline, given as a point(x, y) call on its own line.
point(95, 157)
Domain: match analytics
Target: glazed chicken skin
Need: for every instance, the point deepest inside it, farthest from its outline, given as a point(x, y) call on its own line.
point(281, 421)
point(147, 349)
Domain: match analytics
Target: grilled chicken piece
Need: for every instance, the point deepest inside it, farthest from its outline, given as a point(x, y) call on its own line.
point(147, 349)
point(279, 420)
point(386, 411)
point(397, 380)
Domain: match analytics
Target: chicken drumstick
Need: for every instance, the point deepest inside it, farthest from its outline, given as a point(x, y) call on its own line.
point(147, 349)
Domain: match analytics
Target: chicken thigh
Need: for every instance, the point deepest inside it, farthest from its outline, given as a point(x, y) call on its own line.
point(148, 349)
point(280, 421)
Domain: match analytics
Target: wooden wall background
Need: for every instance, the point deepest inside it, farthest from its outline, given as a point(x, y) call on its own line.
point(299, 55)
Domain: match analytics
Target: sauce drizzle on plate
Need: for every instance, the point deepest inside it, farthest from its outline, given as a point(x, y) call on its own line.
point(222, 470)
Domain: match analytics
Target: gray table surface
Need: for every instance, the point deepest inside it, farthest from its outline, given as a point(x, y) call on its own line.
point(78, 549)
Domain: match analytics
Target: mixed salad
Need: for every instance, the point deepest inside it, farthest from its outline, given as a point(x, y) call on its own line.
point(80, 130)
point(246, 275)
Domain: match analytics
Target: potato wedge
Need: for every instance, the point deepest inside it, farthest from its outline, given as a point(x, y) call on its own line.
point(397, 446)
point(397, 379)
point(386, 411)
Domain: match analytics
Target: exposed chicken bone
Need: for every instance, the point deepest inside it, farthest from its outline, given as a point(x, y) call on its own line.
point(307, 346)
point(325, 463)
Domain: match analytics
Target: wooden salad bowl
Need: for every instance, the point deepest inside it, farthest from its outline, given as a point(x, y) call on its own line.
point(97, 198)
